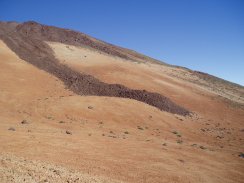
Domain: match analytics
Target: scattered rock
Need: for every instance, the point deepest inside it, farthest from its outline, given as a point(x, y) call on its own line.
point(179, 141)
point(57, 172)
point(140, 128)
point(202, 147)
point(61, 122)
point(176, 133)
point(220, 137)
point(113, 136)
point(24, 122)
point(180, 160)
point(164, 144)
point(126, 132)
point(11, 129)
point(90, 107)
point(43, 181)
point(241, 155)
point(68, 132)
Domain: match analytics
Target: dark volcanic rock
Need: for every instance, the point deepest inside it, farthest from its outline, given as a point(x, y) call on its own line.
point(241, 155)
point(24, 122)
point(11, 129)
point(27, 40)
point(68, 132)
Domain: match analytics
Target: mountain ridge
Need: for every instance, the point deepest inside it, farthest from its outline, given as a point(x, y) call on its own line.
point(34, 30)
point(23, 27)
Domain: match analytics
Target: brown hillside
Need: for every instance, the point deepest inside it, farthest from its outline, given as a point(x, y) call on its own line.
point(59, 122)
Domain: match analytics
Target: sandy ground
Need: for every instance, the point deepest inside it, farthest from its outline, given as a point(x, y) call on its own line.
point(105, 139)
point(117, 70)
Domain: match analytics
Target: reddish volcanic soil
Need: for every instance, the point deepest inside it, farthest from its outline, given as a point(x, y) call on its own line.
point(81, 110)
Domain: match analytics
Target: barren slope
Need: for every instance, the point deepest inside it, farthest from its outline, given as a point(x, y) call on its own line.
point(113, 139)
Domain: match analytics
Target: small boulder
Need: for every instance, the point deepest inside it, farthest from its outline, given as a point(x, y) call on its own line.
point(139, 128)
point(202, 147)
point(11, 129)
point(241, 155)
point(24, 122)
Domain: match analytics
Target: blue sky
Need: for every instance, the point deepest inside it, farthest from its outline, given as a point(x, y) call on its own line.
point(204, 35)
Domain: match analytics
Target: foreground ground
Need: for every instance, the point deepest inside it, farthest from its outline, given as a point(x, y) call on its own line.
point(50, 134)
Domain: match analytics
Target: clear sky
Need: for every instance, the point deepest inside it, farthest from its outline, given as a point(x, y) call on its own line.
point(204, 35)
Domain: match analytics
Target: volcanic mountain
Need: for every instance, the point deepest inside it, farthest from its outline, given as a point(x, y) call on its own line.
point(77, 109)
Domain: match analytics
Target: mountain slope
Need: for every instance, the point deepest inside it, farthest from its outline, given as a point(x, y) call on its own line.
point(28, 44)
point(228, 90)
point(86, 137)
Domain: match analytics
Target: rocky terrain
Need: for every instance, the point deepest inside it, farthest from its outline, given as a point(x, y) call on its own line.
point(29, 44)
point(77, 109)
